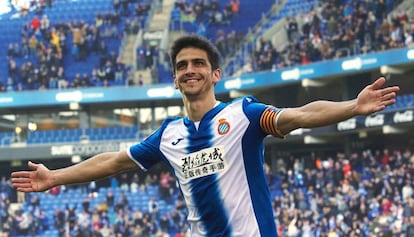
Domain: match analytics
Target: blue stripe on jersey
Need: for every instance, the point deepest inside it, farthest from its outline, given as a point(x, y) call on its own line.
point(206, 192)
point(253, 149)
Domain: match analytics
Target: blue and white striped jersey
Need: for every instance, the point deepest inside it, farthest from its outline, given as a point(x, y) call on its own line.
point(219, 167)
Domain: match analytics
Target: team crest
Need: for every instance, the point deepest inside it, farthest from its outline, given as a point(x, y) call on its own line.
point(223, 127)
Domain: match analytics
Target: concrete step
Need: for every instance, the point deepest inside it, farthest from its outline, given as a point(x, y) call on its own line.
point(145, 75)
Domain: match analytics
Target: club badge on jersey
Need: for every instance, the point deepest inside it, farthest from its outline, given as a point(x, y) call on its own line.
point(223, 126)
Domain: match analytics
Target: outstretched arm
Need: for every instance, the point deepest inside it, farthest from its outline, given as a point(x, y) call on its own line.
point(40, 178)
point(371, 99)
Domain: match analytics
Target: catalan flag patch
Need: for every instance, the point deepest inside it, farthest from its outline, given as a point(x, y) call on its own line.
point(268, 121)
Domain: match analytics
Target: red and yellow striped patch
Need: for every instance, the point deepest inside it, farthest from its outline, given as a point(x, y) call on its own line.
point(268, 122)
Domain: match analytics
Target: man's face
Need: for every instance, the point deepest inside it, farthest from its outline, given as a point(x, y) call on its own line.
point(193, 73)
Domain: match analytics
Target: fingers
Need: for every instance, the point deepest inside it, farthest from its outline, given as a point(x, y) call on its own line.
point(19, 174)
point(26, 174)
point(32, 165)
point(20, 180)
point(21, 183)
point(390, 90)
point(378, 83)
point(389, 96)
point(385, 100)
point(25, 189)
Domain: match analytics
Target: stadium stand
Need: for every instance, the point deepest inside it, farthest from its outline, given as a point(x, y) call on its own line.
point(81, 36)
point(366, 191)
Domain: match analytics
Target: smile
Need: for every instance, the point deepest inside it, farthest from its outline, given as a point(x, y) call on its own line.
point(192, 80)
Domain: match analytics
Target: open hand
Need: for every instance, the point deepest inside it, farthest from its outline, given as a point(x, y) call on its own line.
point(36, 180)
point(373, 98)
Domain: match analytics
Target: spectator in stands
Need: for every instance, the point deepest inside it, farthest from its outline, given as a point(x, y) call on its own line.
point(35, 23)
point(166, 185)
point(201, 28)
point(119, 70)
point(13, 70)
point(101, 74)
point(140, 80)
point(153, 208)
point(61, 78)
point(128, 28)
point(75, 52)
point(94, 76)
point(78, 30)
point(85, 81)
point(198, 9)
point(207, 175)
point(83, 49)
point(148, 56)
point(76, 81)
point(10, 84)
point(11, 52)
point(235, 7)
point(103, 53)
point(140, 52)
point(292, 28)
point(134, 185)
point(109, 71)
point(116, 4)
point(44, 24)
point(217, 18)
point(124, 7)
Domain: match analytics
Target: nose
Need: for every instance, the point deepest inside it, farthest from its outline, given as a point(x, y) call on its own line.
point(189, 69)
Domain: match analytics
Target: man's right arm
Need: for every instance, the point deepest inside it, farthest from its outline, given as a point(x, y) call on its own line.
point(103, 165)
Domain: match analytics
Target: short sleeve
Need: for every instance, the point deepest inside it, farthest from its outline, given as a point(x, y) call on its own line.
point(147, 153)
point(267, 116)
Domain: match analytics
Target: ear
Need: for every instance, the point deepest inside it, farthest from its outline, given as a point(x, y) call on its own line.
point(175, 82)
point(216, 75)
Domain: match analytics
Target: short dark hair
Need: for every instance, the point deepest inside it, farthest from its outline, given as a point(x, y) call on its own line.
point(195, 41)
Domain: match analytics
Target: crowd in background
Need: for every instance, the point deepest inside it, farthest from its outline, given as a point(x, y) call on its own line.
point(39, 61)
point(209, 20)
point(367, 193)
point(361, 194)
point(338, 29)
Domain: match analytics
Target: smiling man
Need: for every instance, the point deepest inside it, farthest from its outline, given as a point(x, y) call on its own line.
point(216, 151)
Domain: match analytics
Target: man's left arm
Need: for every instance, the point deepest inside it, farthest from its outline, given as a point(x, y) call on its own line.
point(319, 113)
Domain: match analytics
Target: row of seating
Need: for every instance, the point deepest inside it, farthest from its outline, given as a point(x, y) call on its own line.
point(73, 135)
point(76, 135)
point(402, 102)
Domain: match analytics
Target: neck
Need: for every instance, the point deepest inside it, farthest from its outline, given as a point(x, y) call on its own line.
point(196, 109)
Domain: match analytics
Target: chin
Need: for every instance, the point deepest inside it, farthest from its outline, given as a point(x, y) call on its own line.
point(191, 92)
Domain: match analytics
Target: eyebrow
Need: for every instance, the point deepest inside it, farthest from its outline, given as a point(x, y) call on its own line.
point(194, 59)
